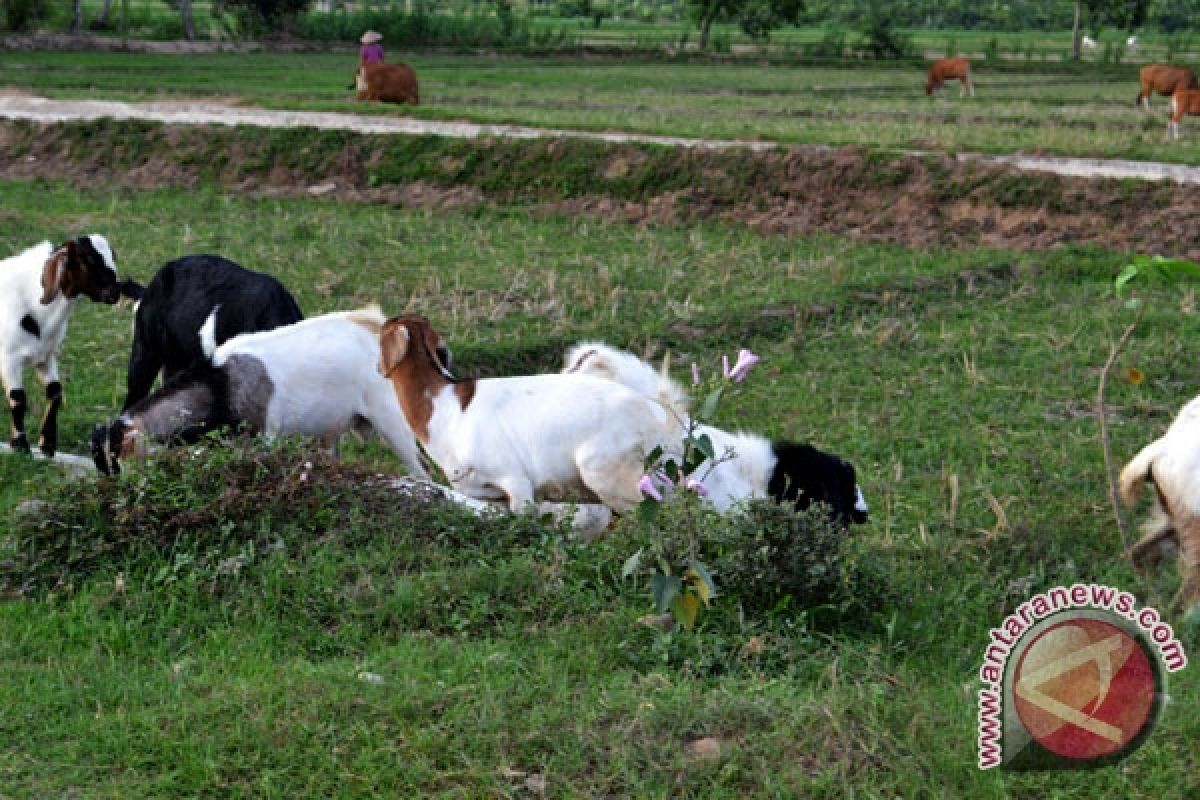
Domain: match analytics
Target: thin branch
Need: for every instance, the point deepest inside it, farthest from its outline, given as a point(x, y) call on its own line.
point(1102, 415)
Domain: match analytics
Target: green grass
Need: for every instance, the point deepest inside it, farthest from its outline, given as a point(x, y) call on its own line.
point(1068, 110)
point(507, 651)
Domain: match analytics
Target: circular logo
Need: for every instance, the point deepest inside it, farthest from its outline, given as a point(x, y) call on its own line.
point(1085, 688)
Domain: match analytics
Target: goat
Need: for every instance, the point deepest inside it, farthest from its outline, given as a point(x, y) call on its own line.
point(945, 69)
point(38, 290)
point(1172, 464)
point(386, 83)
point(1164, 79)
point(203, 293)
point(1183, 102)
point(1088, 42)
point(317, 377)
point(521, 439)
point(746, 465)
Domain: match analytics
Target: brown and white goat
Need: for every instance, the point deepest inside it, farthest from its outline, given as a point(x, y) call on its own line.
point(1183, 102)
point(38, 289)
point(948, 69)
point(386, 83)
point(1172, 464)
point(523, 439)
point(1164, 79)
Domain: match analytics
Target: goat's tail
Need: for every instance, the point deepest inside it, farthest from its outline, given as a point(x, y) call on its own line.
point(1137, 472)
point(605, 361)
point(370, 318)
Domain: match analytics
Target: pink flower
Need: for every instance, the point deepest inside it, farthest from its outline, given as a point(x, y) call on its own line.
point(725, 366)
point(695, 374)
point(646, 485)
point(696, 486)
point(745, 361)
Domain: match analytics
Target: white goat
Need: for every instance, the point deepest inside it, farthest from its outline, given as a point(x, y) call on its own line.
point(38, 290)
point(746, 465)
point(318, 377)
point(523, 439)
point(1172, 464)
point(1089, 42)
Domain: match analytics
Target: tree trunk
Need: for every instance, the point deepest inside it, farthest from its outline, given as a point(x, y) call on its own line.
point(189, 25)
point(1076, 33)
point(77, 17)
point(706, 21)
point(101, 21)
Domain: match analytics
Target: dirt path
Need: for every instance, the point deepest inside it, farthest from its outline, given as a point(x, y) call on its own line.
point(187, 113)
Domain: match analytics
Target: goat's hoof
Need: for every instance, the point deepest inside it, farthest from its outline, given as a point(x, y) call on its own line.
point(48, 448)
point(19, 443)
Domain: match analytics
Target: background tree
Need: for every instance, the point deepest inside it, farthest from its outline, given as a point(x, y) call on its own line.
point(755, 17)
point(1121, 14)
point(261, 16)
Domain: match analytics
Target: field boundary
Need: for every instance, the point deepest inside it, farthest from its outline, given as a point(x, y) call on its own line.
point(46, 110)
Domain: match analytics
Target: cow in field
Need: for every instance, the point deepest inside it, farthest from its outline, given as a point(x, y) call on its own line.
point(947, 69)
point(1165, 80)
point(386, 83)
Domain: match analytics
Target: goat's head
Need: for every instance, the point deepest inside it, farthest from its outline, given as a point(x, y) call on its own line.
point(113, 442)
point(86, 266)
point(804, 475)
point(412, 340)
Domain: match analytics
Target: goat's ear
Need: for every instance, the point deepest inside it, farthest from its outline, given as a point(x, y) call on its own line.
point(52, 273)
point(393, 345)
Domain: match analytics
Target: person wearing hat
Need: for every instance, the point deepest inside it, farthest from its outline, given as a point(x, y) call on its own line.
point(371, 51)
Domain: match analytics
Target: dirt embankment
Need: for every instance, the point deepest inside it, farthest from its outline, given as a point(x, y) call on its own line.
point(910, 200)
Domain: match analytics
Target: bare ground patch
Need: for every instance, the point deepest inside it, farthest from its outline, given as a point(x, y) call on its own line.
point(915, 201)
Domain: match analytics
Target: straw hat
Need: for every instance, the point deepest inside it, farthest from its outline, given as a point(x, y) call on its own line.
point(371, 37)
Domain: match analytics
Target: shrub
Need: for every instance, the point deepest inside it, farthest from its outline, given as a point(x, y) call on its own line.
point(23, 15)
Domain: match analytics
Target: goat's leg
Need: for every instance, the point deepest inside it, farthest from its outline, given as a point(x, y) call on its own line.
point(14, 389)
point(1189, 565)
point(1148, 550)
point(519, 491)
point(48, 430)
point(388, 421)
point(613, 479)
point(144, 366)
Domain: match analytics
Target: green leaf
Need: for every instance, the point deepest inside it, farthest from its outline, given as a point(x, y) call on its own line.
point(701, 578)
point(705, 445)
point(648, 510)
point(632, 563)
point(651, 459)
point(665, 588)
point(685, 608)
point(711, 402)
point(672, 470)
point(1130, 272)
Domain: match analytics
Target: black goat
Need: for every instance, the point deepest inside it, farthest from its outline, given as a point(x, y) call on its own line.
point(191, 306)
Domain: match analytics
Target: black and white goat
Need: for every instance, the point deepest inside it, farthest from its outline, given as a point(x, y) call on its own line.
point(1171, 464)
point(747, 465)
point(318, 377)
point(38, 290)
point(192, 305)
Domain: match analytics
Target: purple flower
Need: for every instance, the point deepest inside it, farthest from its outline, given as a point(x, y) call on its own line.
point(725, 366)
point(696, 486)
point(695, 374)
point(646, 484)
point(745, 361)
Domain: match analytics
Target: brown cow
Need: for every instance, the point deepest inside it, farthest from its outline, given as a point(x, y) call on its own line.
point(1184, 101)
point(386, 83)
point(1164, 79)
point(946, 69)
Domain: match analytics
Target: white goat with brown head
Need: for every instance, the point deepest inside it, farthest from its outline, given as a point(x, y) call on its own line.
point(523, 439)
point(38, 290)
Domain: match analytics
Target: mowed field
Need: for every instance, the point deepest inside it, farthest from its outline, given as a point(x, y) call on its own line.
point(1083, 110)
point(380, 651)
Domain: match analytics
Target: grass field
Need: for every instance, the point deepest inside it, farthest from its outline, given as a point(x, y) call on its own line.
point(330, 643)
point(959, 382)
point(1087, 111)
